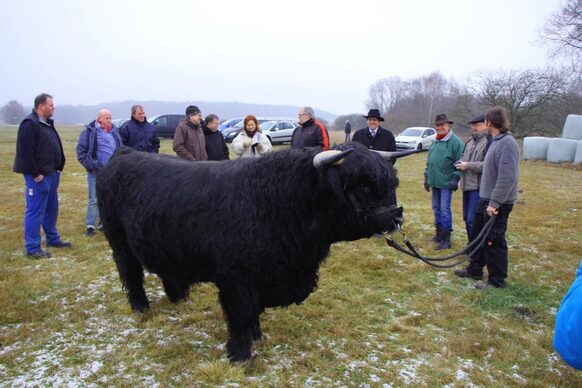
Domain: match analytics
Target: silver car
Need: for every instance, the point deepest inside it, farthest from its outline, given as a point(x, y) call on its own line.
point(419, 138)
point(279, 131)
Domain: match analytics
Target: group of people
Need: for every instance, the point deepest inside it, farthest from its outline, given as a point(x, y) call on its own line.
point(486, 167)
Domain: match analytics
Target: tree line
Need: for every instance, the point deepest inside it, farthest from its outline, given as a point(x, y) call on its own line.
point(538, 100)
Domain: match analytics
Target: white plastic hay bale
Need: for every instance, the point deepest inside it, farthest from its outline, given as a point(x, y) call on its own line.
point(562, 150)
point(578, 157)
point(573, 127)
point(536, 147)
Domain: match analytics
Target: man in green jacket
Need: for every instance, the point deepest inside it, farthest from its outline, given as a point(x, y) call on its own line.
point(441, 176)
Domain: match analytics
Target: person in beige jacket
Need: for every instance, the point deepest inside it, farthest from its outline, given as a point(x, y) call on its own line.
point(250, 142)
point(471, 165)
point(189, 140)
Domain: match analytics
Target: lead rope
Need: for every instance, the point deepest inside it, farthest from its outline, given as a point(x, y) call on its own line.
point(471, 248)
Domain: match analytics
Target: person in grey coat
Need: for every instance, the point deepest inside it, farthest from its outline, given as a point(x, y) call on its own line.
point(497, 193)
point(471, 165)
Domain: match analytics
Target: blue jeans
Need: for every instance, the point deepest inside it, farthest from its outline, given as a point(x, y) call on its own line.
point(42, 209)
point(441, 206)
point(470, 202)
point(92, 209)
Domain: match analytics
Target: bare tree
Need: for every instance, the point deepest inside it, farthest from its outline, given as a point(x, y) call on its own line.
point(385, 93)
point(528, 95)
point(563, 31)
point(12, 112)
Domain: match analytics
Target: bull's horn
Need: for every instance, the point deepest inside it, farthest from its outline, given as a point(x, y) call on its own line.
point(327, 158)
point(395, 155)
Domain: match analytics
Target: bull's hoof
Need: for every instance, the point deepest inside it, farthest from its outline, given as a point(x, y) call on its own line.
point(241, 358)
point(141, 308)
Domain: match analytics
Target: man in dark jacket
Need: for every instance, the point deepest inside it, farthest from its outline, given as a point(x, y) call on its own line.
point(138, 133)
point(40, 158)
point(96, 144)
point(374, 136)
point(216, 148)
point(311, 133)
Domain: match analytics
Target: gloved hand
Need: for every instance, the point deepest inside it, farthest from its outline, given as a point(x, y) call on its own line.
point(454, 183)
point(426, 185)
point(246, 143)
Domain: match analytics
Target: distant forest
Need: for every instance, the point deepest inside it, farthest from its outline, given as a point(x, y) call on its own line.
point(83, 114)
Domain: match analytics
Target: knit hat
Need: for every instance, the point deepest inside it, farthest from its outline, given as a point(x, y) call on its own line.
point(192, 110)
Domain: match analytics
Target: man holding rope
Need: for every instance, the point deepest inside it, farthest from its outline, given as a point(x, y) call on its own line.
point(498, 192)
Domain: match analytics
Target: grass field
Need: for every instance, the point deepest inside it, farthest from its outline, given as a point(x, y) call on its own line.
point(378, 318)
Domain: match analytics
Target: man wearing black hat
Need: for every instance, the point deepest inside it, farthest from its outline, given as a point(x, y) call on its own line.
point(375, 137)
point(189, 140)
point(471, 165)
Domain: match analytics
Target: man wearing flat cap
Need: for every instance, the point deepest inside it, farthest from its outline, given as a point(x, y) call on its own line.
point(442, 178)
point(375, 137)
point(189, 140)
point(471, 166)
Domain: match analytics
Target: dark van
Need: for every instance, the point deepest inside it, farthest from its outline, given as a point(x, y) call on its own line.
point(166, 123)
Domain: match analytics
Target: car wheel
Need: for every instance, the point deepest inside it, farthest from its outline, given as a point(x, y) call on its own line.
point(419, 147)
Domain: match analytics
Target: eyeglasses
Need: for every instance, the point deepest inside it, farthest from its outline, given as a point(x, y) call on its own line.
point(302, 114)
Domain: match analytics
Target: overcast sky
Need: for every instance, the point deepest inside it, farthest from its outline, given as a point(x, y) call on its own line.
point(319, 53)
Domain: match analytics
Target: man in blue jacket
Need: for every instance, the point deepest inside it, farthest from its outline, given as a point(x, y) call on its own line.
point(40, 158)
point(138, 133)
point(96, 144)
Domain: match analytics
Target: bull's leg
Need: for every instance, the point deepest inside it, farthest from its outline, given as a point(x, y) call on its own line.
point(242, 316)
point(131, 274)
point(256, 333)
point(175, 290)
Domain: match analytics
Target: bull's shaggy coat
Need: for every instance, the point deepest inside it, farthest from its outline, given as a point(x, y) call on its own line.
point(257, 228)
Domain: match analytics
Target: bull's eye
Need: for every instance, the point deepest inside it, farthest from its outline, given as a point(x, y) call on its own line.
point(365, 188)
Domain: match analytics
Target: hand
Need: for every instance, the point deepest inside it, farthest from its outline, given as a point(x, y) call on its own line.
point(246, 143)
point(454, 183)
point(491, 211)
point(426, 185)
point(461, 166)
point(259, 146)
point(38, 178)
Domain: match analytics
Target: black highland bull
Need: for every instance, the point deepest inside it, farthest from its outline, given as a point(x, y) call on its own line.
point(257, 228)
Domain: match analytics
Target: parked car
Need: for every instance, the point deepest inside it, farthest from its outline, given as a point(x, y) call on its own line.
point(119, 122)
point(419, 138)
point(166, 123)
point(279, 131)
point(229, 123)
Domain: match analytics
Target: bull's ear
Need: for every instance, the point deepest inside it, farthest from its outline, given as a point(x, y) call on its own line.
point(392, 156)
point(328, 158)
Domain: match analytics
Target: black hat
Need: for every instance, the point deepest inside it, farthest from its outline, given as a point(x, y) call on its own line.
point(477, 119)
point(374, 114)
point(442, 118)
point(192, 110)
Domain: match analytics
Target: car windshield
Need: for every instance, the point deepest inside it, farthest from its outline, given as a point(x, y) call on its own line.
point(267, 125)
point(412, 132)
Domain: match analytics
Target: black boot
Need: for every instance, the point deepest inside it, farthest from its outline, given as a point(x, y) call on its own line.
point(437, 236)
point(445, 242)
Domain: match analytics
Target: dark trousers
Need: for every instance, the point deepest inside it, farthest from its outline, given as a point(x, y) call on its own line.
point(493, 252)
point(470, 202)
